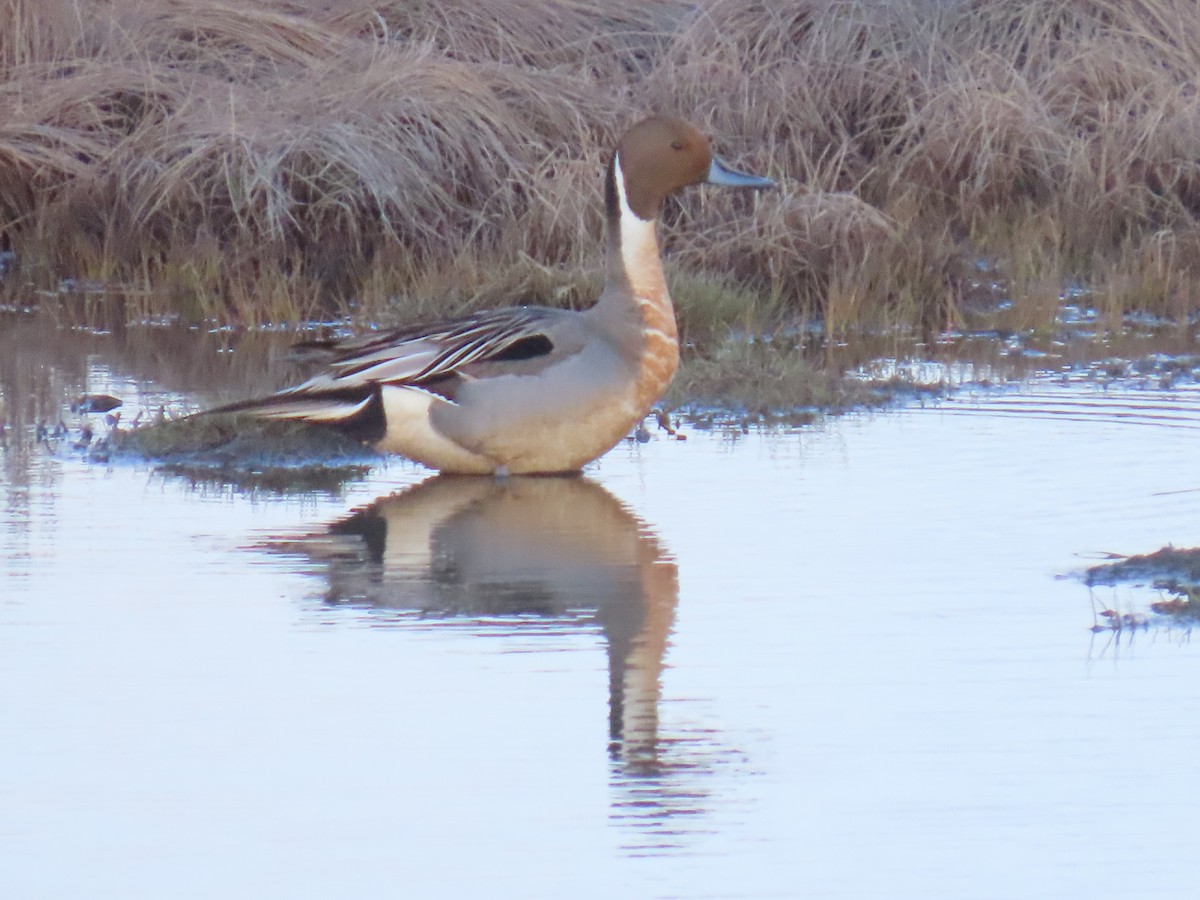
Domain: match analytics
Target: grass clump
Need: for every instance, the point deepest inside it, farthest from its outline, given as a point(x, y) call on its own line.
point(1171, 568)
point(768, 381)
point(1174, 571)
point(247, 453)
point(280, 159)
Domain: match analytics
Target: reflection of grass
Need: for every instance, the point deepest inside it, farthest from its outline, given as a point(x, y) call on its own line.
point(275, 159)
point(272, 479)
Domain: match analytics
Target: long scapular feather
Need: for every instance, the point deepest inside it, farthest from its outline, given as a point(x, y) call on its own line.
point(348, 394)
point(411, 356)
point(329, 406)
point(314, 408)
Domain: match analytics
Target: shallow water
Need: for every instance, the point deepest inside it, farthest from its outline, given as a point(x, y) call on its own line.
point(835, 662)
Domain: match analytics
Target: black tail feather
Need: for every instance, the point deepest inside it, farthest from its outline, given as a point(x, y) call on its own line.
point(365, 424)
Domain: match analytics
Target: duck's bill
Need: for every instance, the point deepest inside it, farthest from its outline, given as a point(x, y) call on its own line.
point(720, 172)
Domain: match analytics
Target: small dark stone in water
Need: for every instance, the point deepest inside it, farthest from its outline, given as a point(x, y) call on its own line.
point(95, 403)
point(641, 435)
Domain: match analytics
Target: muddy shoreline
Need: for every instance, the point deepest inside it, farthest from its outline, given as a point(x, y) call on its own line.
point(158, 375)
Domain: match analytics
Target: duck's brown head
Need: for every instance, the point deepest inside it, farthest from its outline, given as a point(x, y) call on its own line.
point(663, 154)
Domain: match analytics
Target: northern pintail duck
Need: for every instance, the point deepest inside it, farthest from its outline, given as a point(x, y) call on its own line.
point(528, 389)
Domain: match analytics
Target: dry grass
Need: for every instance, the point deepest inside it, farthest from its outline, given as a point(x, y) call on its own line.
point(286, 158)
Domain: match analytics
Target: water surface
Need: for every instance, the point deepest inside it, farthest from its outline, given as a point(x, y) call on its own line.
point(840, 661)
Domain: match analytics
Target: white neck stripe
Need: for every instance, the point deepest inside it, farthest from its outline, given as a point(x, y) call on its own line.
point(619, 174)
point(639, 246)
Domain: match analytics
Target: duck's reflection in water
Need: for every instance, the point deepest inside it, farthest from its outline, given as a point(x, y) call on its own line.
point(557, 551)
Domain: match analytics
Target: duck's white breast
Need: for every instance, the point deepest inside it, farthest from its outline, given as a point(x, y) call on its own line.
point(410, 433)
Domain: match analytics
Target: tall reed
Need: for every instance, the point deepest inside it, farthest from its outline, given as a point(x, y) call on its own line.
point(283, 158)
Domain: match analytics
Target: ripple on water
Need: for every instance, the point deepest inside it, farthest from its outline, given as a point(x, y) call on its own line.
point(728, 667)
point(1072, 403)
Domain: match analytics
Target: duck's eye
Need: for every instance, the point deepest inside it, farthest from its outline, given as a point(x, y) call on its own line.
point(676, 145)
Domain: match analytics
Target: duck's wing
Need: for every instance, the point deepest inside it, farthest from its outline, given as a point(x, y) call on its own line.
point(436, 357)
point(426, 355)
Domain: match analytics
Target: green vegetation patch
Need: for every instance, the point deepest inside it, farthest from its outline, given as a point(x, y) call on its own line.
point(773, 382)
point(249, 452)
